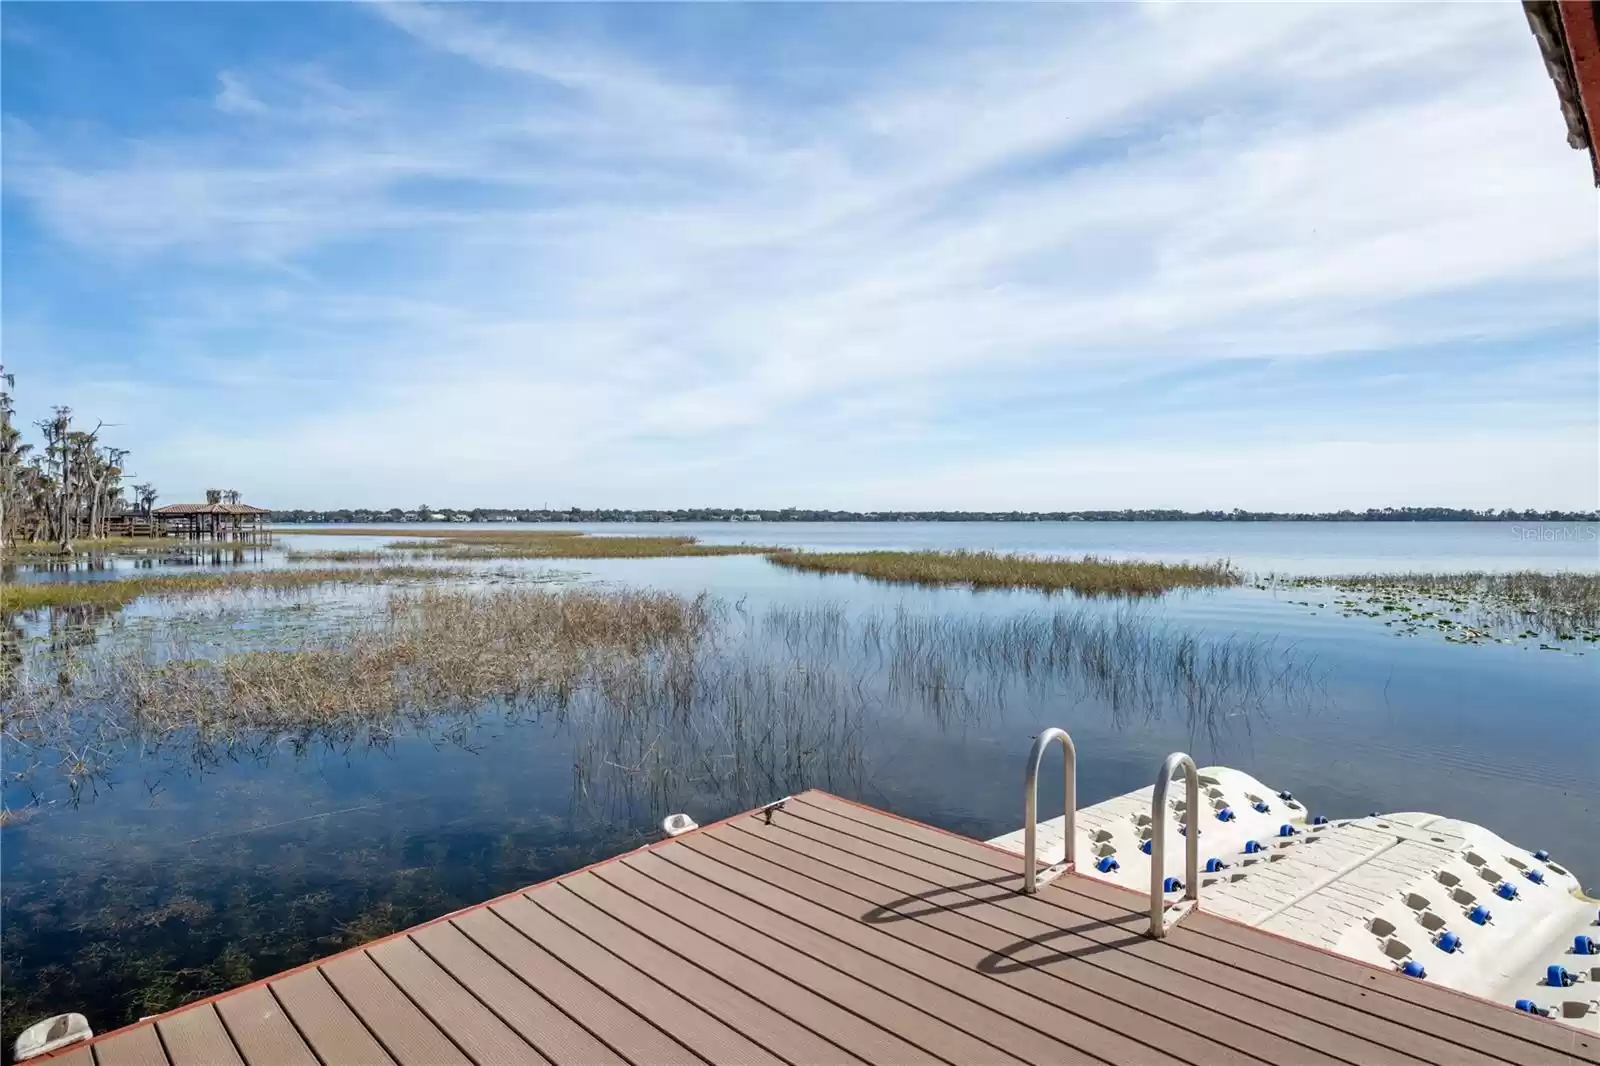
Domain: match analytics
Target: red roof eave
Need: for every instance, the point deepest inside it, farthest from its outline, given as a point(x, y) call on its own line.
point(1578, 22)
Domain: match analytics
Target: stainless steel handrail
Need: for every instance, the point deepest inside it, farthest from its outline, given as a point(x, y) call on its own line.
point(1158, 842)
point(1030, 808)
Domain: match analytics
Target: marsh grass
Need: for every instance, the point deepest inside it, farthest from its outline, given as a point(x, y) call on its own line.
point(1089, 575)
point(427, 534)
point(666, 696)
point(744, 727)
point(122, 591)
point(665, 703)
point(428, 650)
point(336, 556)
point(1472, 607)
point(15, 815)
point(539, 544)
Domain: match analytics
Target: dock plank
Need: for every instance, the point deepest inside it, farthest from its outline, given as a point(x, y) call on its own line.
point(333, 1031)
point(534, 1018)
point(1091, 1021)
point(1447, 1006)
point(81, 1055)
point(887, 975)
point(910, 1026)
point(1118, 1006)
point(1421, 1007)
point(835, 934)
point(724, 997)
point(605, 1017)
point(197, 1038)
point(944, 992)
point(261, 1031)
point(140, 1047)
point(674, 1014)
point(1442, 1009)
point(453, 1009)
point(1053, 931)
point(404, 1031)
point(769, 986)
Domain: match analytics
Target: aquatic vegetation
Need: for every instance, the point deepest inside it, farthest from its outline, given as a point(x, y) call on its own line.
point(14, 815)
point(474, 533)
point(539, 544)
point(651, 702)
point(1468, 608)
point(347, 556)
point(581, 547)
point(1088, 575)
point(681, 684)
point(427, 651)
point(119, 591)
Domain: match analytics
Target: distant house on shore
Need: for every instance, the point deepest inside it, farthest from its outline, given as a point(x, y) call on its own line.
point(212, 521)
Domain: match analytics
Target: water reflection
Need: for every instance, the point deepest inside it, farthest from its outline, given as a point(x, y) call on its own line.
point(207, 859)
point(722, 702)
point(168, 863)
point(100, 565)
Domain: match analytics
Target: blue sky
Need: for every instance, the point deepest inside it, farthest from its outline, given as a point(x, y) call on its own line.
point(1266, 256)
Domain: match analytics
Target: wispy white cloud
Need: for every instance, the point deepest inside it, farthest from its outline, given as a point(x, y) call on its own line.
point(609, 275)
point(234, 96)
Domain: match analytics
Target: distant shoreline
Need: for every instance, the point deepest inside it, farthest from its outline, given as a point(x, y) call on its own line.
point(490, 514)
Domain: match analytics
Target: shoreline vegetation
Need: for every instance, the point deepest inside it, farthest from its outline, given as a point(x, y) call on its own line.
point(451, 545)
point(1087, 576)
point(122, 591)
point(1564, 605)
point(796, 514)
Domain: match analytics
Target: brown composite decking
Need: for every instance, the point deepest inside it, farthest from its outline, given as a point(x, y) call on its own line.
point(835, 934)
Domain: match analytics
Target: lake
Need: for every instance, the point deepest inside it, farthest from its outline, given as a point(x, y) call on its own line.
point(176, 868)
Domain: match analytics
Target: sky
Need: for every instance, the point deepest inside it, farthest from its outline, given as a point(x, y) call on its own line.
point(1271, 256)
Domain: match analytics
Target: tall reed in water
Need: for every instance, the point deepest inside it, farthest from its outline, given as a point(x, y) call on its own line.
point(1089, 575)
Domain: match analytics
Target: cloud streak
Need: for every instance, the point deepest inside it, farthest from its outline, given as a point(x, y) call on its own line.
point(609, 265)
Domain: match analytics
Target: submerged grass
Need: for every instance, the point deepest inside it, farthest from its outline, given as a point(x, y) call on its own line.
point(1088, 575)
point(120, 591)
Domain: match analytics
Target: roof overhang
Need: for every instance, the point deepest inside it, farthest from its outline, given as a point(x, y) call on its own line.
point(1568, 32)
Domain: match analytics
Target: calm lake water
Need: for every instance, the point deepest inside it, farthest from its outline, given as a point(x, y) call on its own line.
point(180, 871)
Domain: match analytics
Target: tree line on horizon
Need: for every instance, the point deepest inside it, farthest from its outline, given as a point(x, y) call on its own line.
point(68, 488)
point(71, 488)
point(425, 513)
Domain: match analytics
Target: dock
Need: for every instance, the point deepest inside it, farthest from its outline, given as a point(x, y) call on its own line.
point(824, 931)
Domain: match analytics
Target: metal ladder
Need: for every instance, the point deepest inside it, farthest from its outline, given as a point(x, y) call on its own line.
point(1032, 877)
point(1162, 917)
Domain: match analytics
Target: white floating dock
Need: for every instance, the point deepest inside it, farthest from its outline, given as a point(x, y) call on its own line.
point(1473, 911)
